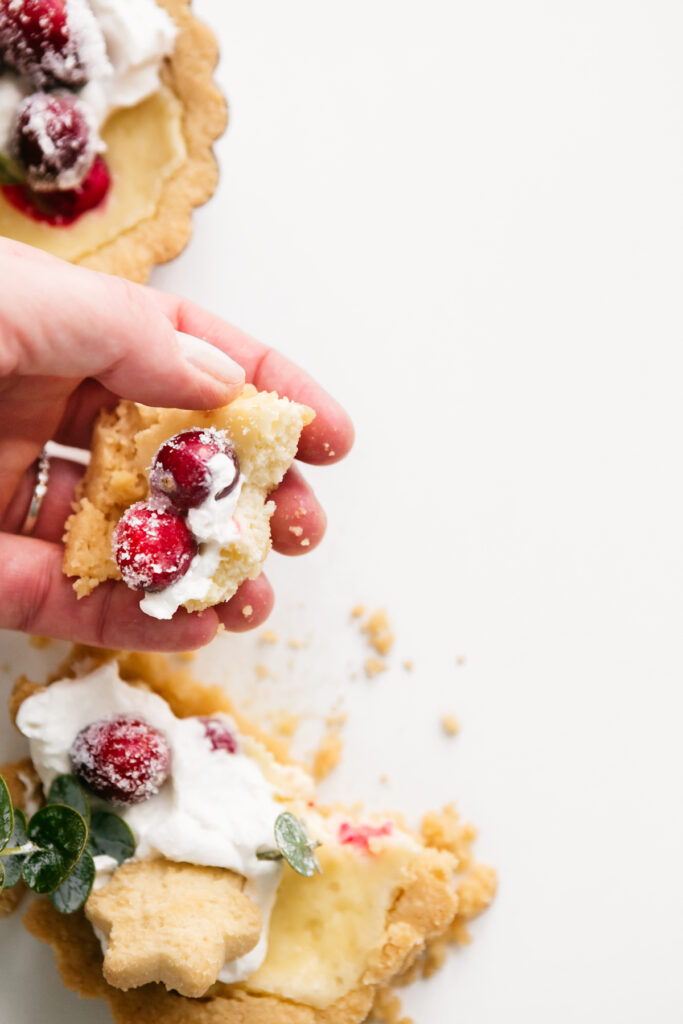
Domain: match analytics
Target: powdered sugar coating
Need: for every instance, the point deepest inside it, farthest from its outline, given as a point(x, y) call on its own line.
point(53, 42)
point(54, 140)
point(180, 471)
point(123, 759)
point(218, 735)
point(153, 546)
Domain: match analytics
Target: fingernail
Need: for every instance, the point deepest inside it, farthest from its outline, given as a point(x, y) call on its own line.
point(209, 359)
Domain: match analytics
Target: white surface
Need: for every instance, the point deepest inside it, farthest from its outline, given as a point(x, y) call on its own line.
point(467, 220)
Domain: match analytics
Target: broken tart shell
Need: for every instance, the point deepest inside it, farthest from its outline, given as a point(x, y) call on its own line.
point(429, 906)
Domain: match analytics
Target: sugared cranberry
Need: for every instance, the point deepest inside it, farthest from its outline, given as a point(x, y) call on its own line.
point(36, 40)
point(153, 547)
point(53, 140)
point(61, 208)
point(180, 472)
point(123, 759)
point(218, 735)
point(360, 835)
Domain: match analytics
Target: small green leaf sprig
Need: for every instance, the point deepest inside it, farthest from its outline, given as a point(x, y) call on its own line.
point(10, 172)
point(53, 852)
point(294, 845)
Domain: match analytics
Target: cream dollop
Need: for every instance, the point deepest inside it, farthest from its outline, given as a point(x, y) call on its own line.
point(216, 808)
point(215, 528)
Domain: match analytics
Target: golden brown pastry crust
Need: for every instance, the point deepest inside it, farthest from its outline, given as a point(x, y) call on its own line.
point(189, 73)
point(427, 911)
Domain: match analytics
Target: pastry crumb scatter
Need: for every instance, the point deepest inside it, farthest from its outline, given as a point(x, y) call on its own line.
point(296, 645)
point(379, 632)
point(450, 725)
point(460, 660)
point(357, 611)
point(328, 755)
point(408, 664)
point(268, 636)
point(305, 542)
point(247, 611)
point(336, 719)
point(262, 671)
point(296, 530)
point(284, 722)
point(373, 667)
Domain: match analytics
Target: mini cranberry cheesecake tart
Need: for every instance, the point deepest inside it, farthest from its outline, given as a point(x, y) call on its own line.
point(174, 503)
point(218, 888)
point(108, 113)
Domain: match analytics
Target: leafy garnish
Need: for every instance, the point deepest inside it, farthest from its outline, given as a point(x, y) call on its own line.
point(294, 845)
point(74, 891)
point(60, 833)
point(13, 863)
point(6, 814)
point(53, 853)
point(10, 172)
point(65, 790)
point(110, 835)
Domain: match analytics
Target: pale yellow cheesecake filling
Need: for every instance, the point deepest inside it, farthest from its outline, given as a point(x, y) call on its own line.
point(324, 929)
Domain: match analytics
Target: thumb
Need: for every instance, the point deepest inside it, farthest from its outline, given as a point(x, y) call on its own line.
point(65, 321)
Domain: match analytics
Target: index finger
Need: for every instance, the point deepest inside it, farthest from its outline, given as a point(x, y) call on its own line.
point(329, 437)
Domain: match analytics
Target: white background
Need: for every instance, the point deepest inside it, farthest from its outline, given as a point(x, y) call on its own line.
point(467, 220)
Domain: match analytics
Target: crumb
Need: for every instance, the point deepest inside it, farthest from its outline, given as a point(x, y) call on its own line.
point(357, 611)
point(220, 628)
point(450, 725)
point(290, 664)
point(296, 530)
point(284, 722)
point(331, 454)
point(295, 644)
point(373, 667)
point(5, 666)
point(268, 636)
point(262, 671)
point(379, 632)
point(336, 718)
point(384, 778)
point(460, 660)
point(247, 611)
point(305, 542)
point(39, 642)
point(408, 664)
point(353, 676)
point(301, 511)
point(328, 755)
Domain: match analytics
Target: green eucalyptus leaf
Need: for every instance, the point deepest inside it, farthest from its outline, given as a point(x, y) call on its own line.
point(110, 835)
point(6, 814)
point(294, 844)
point(72, 893)
point(66, 790)
point(10, 172)
point(15, 862)
point(61, 833)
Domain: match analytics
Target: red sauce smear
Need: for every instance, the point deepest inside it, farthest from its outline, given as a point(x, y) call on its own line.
point(61, 208)
point(360, 835)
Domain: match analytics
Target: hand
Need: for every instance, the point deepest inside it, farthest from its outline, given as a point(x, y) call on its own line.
point(73, 341)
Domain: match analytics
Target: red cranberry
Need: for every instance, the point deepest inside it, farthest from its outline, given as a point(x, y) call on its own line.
point(153, 547)
point(218, 735)
point(123, 759)
point(61, 208)
point(35, 40)
point(360, 835)
point(180, 472)
point(53, 140)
